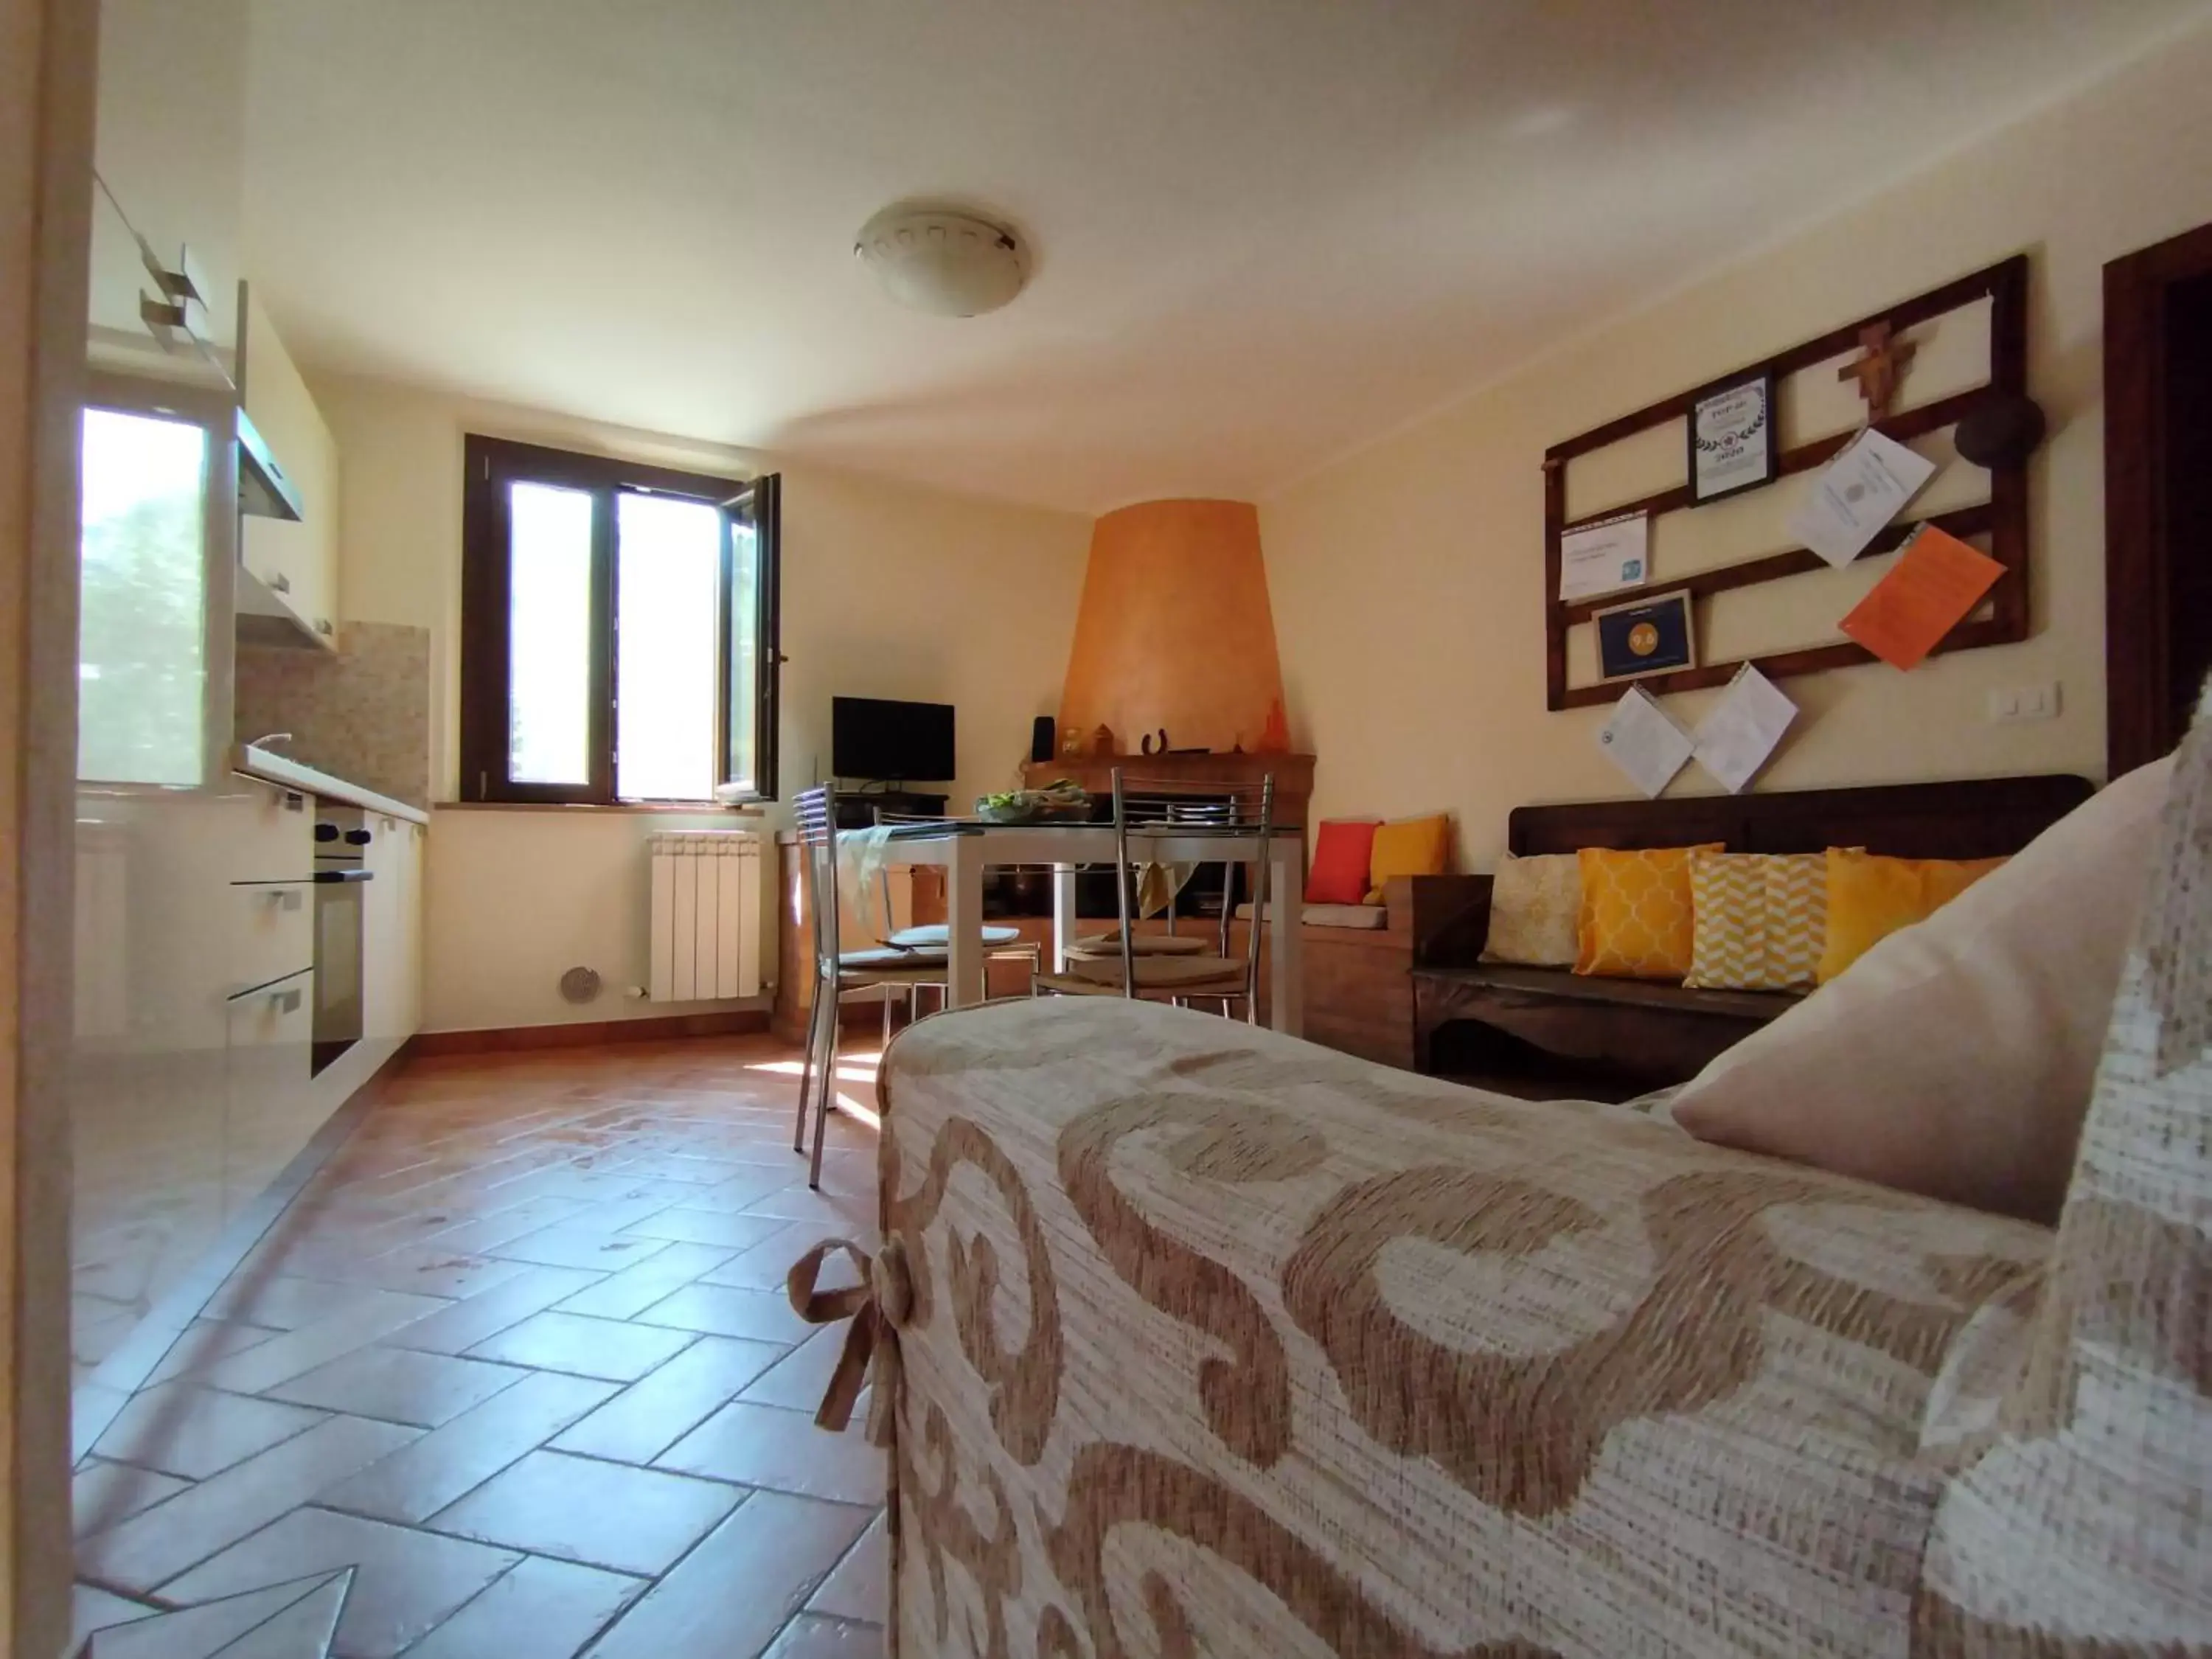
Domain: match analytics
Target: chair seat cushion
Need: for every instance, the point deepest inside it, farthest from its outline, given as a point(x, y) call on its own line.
point(1069, 985)
point(1160, 973)
point(886, 957)
point(937, 936)
point(1366, 918)
point(1144, 944)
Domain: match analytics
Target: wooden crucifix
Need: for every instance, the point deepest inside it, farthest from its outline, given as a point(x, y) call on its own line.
point(1880, 368)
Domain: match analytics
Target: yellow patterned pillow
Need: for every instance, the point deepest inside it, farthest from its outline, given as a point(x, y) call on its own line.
point(1761, 919)
point(1637, 911)
point(1535, 911)
point(1871, 896)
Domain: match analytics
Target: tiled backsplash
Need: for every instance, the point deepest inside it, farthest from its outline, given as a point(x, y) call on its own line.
point(362, 715)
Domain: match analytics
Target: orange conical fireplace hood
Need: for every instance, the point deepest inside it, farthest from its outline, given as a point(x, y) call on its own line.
point(1174, 629)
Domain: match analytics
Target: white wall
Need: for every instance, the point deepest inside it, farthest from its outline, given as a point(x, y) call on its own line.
point(1408, 578)
point(888, 591)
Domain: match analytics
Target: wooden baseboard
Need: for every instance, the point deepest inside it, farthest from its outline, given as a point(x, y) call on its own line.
point(517, 1039)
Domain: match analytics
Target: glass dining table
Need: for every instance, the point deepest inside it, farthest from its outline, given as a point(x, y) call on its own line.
point(963, 849)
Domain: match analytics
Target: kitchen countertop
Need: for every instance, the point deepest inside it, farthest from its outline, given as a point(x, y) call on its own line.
point(272, 767)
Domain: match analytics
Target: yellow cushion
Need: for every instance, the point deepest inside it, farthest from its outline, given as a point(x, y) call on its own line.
point(1637, 911)
point(1871, 896)
point(1760, 920)
point(1413, 846)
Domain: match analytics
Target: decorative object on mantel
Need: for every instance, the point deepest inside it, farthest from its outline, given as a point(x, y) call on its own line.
point(1102, 743)
point(1275, 735)
point(1072, 745)
point(1732, 438)
point(2002, 520)
point(1146, 745)
point(1885, 357)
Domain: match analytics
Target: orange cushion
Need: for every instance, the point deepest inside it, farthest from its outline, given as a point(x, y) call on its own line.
point(1410, 847)
point(1340, 857)
point(1638, 920)
point(1871, 896)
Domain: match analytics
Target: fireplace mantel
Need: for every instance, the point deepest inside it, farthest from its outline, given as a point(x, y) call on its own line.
point(1166, 774)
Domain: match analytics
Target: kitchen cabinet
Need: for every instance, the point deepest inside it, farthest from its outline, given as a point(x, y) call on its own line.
point(170, 151)
point(150, 1086)
point(267, 1107)
point(296, 562)
point(392, 934)
point(269, 1112)
point(268, 1008)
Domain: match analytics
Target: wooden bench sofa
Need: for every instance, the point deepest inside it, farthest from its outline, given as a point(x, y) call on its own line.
point(1359, 981)
point(1549, 1031)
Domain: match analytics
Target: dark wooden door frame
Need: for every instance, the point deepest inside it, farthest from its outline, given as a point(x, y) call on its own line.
point(2139, 718)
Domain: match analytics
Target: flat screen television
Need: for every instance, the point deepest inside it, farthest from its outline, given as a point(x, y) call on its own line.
point(889, 741)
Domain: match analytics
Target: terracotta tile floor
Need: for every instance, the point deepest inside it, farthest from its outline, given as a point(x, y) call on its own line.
point(518, 1357)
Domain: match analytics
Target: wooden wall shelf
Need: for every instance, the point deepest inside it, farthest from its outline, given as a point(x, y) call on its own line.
point(2002, 519)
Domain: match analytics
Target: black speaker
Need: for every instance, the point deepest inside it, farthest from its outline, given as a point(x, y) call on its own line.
point(1044, 733)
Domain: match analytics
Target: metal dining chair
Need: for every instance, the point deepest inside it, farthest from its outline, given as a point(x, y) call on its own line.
point(1173, 809)
point(1128, 969)
point(837, 971)
point(1000, 943)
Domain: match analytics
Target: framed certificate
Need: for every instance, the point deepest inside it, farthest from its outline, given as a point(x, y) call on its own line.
point(1647, 636)
point(1732, 439)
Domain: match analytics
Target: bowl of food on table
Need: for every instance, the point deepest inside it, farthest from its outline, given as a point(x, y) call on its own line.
point(1062, 802)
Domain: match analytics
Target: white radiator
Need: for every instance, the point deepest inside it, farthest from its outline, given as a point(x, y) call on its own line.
point(705, 916)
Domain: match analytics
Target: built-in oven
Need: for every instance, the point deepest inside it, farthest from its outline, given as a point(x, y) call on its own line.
point(342, 877)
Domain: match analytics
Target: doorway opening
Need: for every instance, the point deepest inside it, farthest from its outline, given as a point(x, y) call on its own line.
point(2158, 493)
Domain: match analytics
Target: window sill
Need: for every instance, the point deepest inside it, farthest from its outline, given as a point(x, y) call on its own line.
point(704, 807)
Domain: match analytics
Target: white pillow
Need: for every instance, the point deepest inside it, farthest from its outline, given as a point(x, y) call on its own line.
point(1956, 1057)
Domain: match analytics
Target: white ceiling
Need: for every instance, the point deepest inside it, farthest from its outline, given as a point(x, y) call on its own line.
point(1264, 231)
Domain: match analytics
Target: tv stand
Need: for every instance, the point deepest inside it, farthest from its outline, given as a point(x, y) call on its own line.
point(858, 810)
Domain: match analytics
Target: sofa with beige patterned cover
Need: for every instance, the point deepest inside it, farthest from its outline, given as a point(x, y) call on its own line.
point(1194, 1338)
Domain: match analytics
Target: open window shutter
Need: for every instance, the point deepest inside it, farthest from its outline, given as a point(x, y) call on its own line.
point(759, 507)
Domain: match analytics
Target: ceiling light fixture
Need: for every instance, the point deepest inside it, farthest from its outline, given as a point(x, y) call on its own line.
point(937, 260)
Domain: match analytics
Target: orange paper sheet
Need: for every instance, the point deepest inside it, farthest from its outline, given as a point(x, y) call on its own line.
point(1938, 581)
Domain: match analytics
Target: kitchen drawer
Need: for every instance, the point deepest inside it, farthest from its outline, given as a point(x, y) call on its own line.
point(271, 831)
point(272, 1110)
point(272, 932)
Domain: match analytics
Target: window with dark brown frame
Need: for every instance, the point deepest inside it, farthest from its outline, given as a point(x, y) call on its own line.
point(618, 630)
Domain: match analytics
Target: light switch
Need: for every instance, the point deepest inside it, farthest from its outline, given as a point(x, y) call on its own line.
point(2017, 703)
